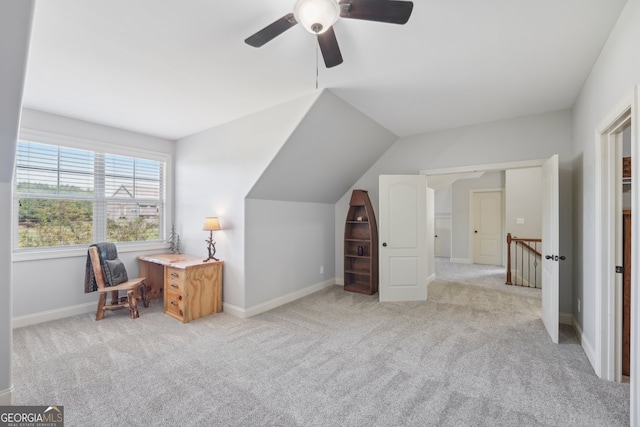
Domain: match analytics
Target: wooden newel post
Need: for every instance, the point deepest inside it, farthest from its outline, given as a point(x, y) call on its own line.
point(508, 282)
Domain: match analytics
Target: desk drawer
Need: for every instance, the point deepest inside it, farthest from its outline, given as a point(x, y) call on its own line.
point(174, 304)
point(175, 285)
point(176, 275)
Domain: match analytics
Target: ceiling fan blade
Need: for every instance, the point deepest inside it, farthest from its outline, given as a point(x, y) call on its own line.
point(272, 31)
point(330, 49)
point(391, 11)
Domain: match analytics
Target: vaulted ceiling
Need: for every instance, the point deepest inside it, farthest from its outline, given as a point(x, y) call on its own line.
point(172, 68)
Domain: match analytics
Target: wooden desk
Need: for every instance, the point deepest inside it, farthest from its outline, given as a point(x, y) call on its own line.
point(191, 288)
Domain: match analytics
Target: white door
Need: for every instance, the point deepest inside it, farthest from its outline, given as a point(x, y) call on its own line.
point(550, 247)
point(443, 237)
point(403, 237)
point(431, 234)
point(487, 227)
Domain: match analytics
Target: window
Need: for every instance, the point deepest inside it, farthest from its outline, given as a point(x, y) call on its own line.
point(69, 197)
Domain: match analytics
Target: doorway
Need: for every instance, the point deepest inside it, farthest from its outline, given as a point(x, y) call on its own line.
point(609, 249)
point(550, 199)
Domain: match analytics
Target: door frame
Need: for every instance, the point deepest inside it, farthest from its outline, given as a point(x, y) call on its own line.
point(497, 167)
point(472, 248)
point(606, 301)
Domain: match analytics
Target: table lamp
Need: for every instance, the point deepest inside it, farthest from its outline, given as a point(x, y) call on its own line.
point(211, 224)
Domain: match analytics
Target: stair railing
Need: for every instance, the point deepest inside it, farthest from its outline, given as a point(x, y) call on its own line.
point(524, 262)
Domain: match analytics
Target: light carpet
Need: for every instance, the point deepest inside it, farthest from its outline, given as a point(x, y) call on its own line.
point(475, 354)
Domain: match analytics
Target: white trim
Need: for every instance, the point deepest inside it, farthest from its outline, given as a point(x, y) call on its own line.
point(566, 319)
point(123, 247)
point(588, 348)
point(44, 137)
point(586, 345)
point(7, 397)
point(635, 260)
point(51, 138)
point(461, 260)
point(486, 167)
point(339, 281)
point(431, 278)
point(244, 313)
point(579, 334)
point(49, 315)
point(234, 310)
point(605, 235)
point(604, 355)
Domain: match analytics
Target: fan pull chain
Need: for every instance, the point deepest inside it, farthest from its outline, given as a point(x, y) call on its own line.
point(317, 47)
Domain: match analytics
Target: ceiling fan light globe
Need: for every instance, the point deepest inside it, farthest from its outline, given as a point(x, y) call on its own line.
point(316, 16)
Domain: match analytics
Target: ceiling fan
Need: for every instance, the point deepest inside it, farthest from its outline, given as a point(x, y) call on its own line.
point(318, 17)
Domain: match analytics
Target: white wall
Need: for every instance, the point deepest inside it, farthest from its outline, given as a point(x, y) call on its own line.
point(524, 138)
point(15, 31)
point(442, 200)
point(6, 347)
point(612, 77)
point(461, 250)
point(286, 244)
point(329, 149)
point(58, 279)
point(523, 199)
point(215, 170)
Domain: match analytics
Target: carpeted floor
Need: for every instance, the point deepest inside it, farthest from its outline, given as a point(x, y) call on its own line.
point(476, 353)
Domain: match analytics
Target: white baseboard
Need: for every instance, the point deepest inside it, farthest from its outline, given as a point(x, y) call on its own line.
point(461, 260)
point(587, 347)
point(7, 397)
point(340, 281)
point(234, 310)
point(244, 313)
point(566, 319)
point(431, 278)
point(49, 315)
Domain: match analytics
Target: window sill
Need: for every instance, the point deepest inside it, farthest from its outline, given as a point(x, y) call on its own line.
point(41, 254)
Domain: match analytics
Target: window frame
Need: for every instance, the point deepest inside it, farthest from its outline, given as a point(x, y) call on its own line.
point(34, 136)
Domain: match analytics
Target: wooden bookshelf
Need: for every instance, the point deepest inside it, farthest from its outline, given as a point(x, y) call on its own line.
point(361, 246)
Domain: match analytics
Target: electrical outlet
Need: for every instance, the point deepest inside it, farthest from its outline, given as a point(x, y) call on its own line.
point(519, 220)
point(578, 305)
point(322, 269)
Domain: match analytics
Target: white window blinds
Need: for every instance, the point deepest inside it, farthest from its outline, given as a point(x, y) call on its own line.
point(68, 196)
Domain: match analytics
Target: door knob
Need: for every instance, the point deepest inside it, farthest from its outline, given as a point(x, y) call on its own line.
point(475, 231)
point(384, 244)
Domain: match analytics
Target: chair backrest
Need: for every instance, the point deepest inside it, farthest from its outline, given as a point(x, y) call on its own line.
point(97, 267)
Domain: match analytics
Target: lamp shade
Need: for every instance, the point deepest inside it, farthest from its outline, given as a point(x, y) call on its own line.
point(211, 223)
point(316, 16)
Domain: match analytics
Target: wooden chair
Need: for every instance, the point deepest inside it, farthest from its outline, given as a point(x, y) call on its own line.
point(135, 288)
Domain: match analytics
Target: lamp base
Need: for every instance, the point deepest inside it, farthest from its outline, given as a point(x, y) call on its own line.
point(211, 248)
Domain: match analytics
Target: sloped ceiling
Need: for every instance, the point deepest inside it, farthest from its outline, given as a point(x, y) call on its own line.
point(15, 24)
point(172, 68)
point(330, 149)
